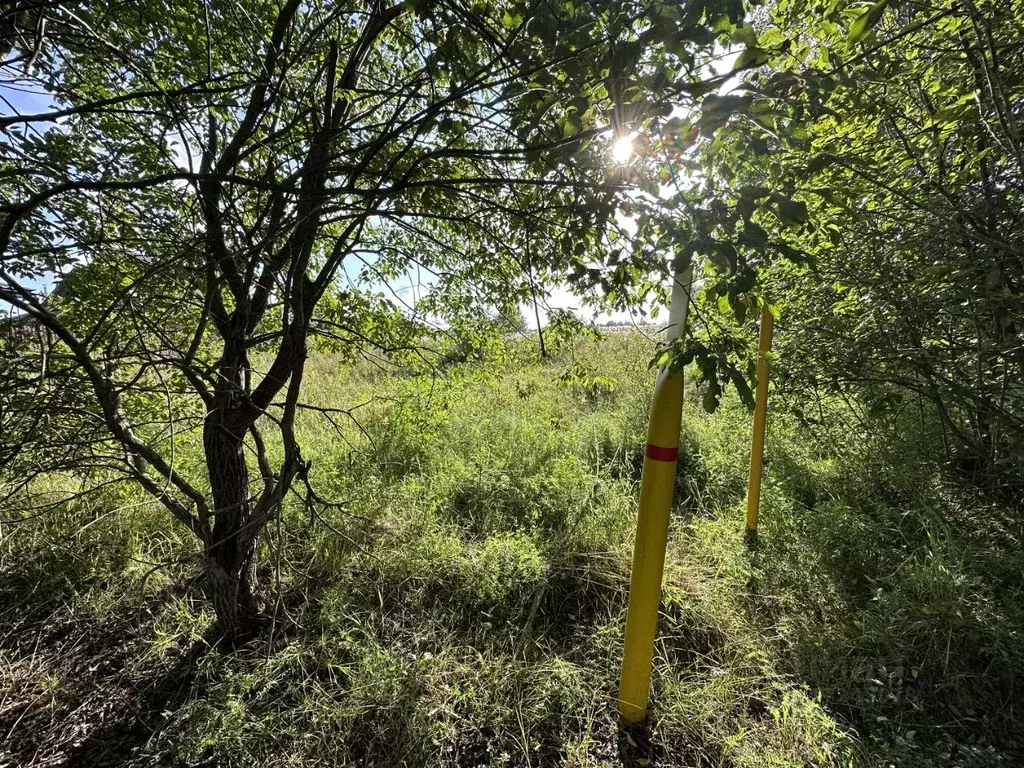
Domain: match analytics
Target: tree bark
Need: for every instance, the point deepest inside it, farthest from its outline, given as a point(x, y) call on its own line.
point(234, 595)
point(231, 550)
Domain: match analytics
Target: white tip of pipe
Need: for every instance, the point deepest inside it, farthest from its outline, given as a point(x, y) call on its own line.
point(680, 305)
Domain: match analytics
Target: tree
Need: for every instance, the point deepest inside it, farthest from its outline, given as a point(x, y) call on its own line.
point(205, 174)
point(867, 176)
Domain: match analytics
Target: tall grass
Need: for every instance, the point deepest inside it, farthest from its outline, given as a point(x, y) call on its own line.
point(463, 603)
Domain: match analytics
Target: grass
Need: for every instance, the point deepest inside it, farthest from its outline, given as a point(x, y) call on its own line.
point(465, 607)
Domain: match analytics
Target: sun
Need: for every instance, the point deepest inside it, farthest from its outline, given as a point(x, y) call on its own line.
point(622, 149)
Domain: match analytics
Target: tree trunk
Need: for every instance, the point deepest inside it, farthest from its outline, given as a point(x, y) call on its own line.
point(536, 310)
point(234, 594)
point(231, 551)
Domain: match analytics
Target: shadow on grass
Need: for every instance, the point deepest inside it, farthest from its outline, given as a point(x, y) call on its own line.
point(82, 689)
point(905, 622)
point(139, 714)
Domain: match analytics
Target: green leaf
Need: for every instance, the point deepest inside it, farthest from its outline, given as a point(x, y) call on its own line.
point(751, 57)
point(742, 387)
point(725, 105)
point(863, 24)
point(820, 162)
point(710, 399)
point(753, 234)
point(791, 211)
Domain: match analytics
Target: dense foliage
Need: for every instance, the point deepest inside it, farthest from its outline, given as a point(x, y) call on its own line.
point(871, 168)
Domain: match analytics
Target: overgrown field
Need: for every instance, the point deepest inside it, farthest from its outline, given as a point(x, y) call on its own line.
point(463, 602)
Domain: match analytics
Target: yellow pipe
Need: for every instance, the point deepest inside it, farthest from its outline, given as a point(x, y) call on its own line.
point(764, 346)
point(657, 483)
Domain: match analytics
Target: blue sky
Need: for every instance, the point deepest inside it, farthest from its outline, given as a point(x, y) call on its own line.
point(23, 97)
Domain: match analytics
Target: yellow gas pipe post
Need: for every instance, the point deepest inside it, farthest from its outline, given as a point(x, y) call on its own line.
point(764, 346)
point(656, 487)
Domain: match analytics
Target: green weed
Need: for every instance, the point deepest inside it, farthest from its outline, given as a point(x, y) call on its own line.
point(463, 603)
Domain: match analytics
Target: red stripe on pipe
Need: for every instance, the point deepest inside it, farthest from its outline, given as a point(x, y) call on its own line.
point(661, 453)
